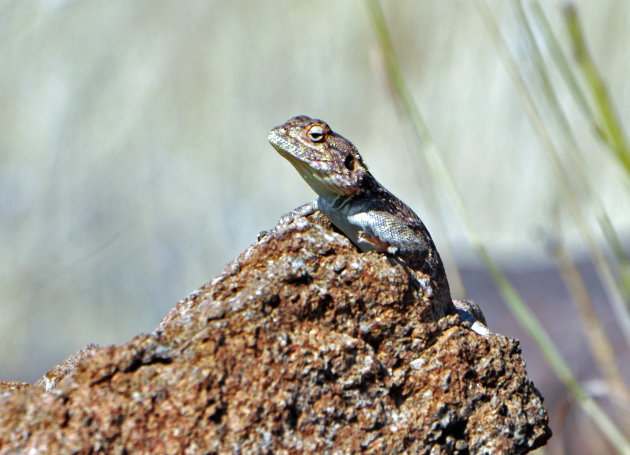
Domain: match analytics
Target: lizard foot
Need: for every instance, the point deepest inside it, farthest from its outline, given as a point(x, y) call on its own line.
point(470, 313)
point(378, 244)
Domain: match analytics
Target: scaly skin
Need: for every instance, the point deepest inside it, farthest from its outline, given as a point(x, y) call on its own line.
point(369, 215)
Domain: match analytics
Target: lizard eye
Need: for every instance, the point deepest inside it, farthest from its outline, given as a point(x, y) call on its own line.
point(316, 133)
point(349, 162)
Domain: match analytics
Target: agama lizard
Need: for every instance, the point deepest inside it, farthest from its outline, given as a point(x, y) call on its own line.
point(359, 206)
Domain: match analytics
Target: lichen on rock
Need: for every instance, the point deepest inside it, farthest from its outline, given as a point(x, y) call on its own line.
point(302, 344)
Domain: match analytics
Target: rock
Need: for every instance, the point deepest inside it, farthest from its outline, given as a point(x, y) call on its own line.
point(302, 344)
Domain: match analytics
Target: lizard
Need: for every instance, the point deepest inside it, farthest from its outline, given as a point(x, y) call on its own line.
point(360, 207)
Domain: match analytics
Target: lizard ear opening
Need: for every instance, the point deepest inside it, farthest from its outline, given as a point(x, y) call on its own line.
point(350, 163)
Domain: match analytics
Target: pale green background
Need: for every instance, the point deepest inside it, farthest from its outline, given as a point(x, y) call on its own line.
point(134, 160)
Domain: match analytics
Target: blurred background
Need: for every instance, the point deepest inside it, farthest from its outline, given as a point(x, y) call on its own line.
point(134, 160)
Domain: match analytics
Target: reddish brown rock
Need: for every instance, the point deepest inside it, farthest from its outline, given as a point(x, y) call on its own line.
point(301, 345)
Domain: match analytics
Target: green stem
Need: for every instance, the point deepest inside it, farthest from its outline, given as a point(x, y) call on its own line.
point(612, 133)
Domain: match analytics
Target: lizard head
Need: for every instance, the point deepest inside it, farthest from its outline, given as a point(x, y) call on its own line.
point(328, 162)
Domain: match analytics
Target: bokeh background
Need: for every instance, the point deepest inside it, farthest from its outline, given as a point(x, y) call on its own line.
point(134, 160)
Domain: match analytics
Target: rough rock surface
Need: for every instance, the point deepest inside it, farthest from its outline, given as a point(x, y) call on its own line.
point(302, 344)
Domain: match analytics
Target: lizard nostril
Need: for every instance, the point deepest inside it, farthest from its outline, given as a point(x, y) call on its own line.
point(349, 162)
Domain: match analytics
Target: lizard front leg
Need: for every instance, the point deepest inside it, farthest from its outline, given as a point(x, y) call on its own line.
point(303, 210)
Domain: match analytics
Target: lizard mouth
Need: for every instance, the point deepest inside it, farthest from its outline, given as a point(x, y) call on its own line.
point(326, 184)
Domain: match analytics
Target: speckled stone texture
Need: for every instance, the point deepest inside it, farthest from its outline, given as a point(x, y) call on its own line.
point(301, 345)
